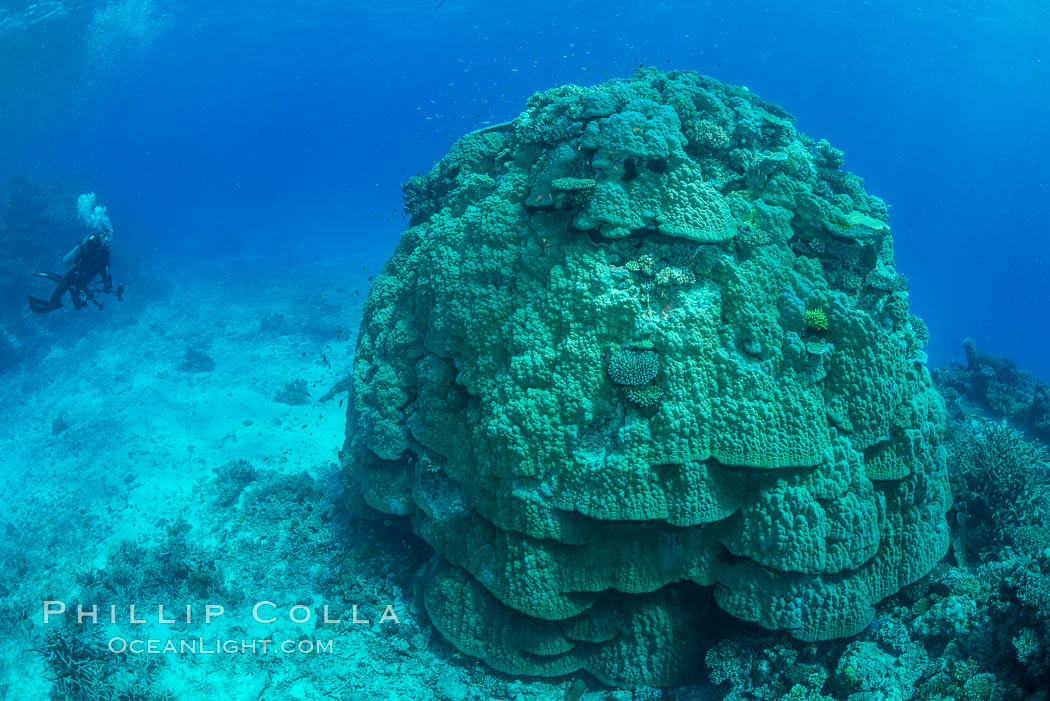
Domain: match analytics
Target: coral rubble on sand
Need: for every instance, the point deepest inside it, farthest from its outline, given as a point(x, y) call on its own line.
point(594, 377)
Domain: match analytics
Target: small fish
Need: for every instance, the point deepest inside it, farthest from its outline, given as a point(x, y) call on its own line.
point(340, 403)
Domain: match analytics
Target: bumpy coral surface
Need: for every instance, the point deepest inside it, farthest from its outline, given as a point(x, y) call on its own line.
point(791, 477)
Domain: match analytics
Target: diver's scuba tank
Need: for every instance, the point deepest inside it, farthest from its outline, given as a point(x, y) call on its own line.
point(73, 256)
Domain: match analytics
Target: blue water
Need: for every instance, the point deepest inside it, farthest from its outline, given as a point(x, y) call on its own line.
point(214, 128)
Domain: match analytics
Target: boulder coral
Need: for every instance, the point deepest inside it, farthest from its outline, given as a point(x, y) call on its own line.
point(791, 480)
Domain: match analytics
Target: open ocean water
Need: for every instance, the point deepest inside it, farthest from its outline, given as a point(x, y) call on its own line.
point(405, 372)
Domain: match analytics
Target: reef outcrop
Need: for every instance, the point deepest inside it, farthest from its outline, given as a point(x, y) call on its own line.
point(587, 377)
point(999, 387)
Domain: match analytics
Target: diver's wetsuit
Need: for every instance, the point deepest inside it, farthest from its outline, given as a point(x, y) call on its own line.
point(92, 259)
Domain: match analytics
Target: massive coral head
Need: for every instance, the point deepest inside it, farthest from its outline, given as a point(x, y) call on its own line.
point(589, 378)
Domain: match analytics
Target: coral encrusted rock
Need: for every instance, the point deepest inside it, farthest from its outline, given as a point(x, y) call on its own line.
point(792, 479)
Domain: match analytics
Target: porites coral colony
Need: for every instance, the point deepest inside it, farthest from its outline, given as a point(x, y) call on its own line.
point(795, 481)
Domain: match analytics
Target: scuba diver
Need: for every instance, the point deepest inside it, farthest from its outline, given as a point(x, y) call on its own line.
point(88, 259)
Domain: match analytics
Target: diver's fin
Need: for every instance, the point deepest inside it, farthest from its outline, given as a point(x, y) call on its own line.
point(53, 277)
point(40, 306)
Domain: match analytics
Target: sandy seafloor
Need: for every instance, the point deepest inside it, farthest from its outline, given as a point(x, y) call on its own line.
point(112, 451)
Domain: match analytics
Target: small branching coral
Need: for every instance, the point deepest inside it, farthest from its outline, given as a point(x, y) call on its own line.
point(295, 393)
point(82, 668)
point(816, 320)
point(76, 663)
point(647, 396)
point(230, 480)
point(1001, 483)
point(634, 367)
point(173, 568)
